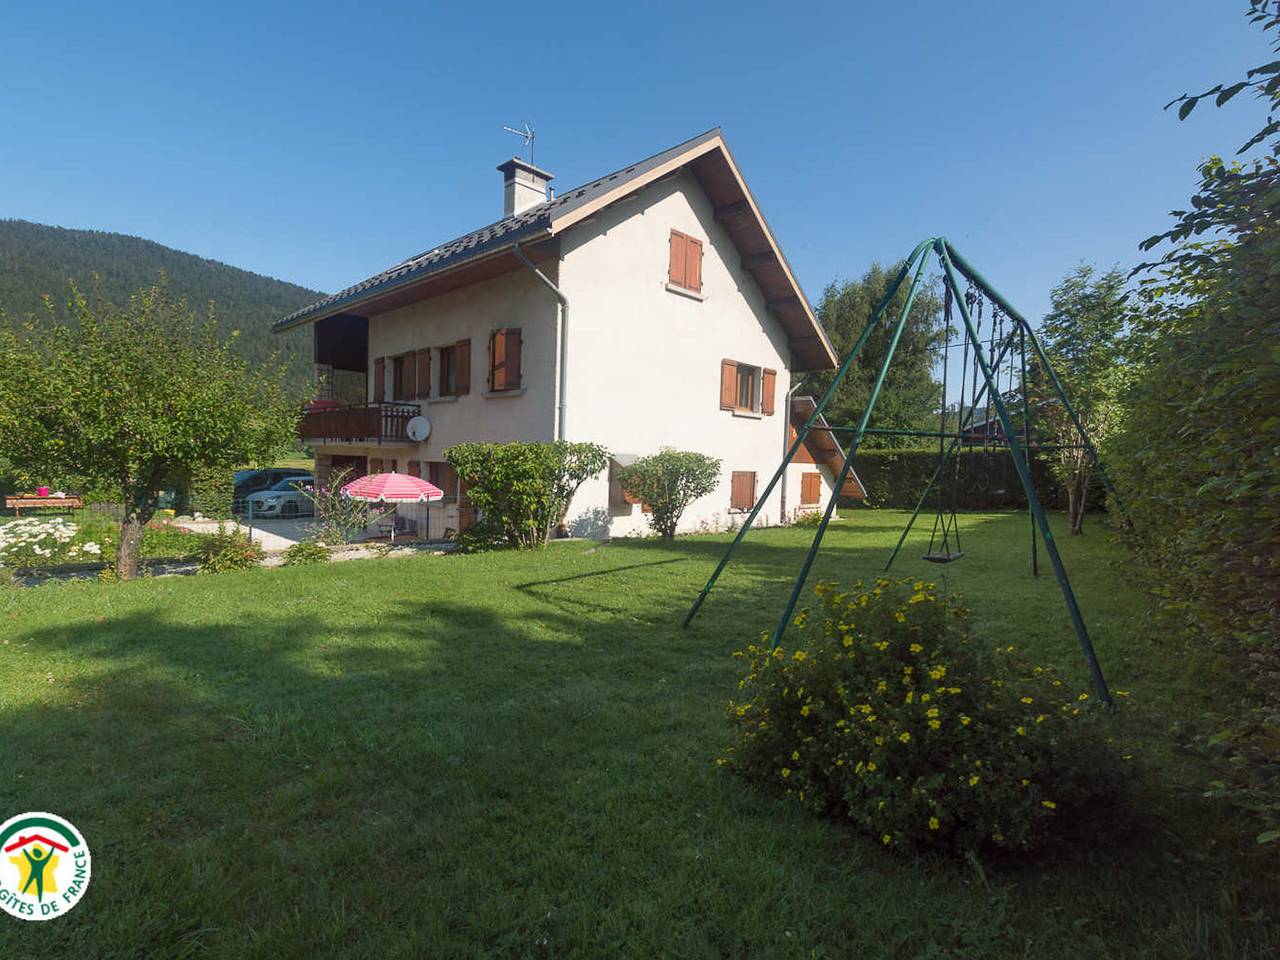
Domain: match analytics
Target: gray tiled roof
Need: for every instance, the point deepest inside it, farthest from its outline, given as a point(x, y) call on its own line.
point(495, 236)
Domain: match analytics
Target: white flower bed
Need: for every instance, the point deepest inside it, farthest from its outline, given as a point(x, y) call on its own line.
point(38, 540)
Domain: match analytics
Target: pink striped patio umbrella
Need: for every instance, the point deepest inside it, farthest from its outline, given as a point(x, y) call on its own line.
point(392, 488)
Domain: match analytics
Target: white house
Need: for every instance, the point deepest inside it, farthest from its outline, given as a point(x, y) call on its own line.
point(649, 308)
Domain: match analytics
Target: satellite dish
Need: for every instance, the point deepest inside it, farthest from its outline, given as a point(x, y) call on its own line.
point(418, 428)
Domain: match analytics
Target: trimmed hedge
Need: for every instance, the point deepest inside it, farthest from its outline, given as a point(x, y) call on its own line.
point(208, 493)
point(988, 480)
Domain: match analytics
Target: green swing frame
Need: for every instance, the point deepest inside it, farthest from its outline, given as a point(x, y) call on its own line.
point(953, 265)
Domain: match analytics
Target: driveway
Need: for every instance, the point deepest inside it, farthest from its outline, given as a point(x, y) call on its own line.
point(271, 535)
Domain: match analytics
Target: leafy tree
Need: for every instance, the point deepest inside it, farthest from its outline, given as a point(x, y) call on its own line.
point(1197, 458)
point(1083, 335)
point(523, 490)
point(136, 397)
point(909, 397)
point(667, 482)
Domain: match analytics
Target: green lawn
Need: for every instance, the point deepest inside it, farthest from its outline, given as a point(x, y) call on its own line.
point(512, 755)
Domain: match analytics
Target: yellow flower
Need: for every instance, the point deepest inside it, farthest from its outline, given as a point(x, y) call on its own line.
point(899, 616)
point(937, 673)
point(847, 641)
point(935, 724)
point(931, 712)
point(911, 695)
point(839, 761)
point(1083, 697)
point(799, 655)
point(933, 823)
point(1041, 719)
point(1027, 700)
point(804, 711)
point(742, 710)
point(879, 741)
point(786, 772)
point(904, 736)
point(882, 646)
point(1026, 782)
point(1022, 731)
point(1049, 803)
point(720, 761)
point(915, 648)
point(917, 598)
point(871, 766)
point(795, 754)
point(974, 779)
point(964, 721)
point(887, 839)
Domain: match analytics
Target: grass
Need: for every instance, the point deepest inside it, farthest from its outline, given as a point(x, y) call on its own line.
point(512, 755)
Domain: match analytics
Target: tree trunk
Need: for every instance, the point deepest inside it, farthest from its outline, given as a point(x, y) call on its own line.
point(139, 508)
point(1078, 499)
point(130, 551)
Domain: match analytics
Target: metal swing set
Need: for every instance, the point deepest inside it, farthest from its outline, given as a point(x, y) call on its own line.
point(987, 359)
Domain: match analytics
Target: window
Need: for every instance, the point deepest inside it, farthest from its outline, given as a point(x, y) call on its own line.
point(810, 489)
point(685, 267)
point(403, 377)
point(742, 490)
point(379, 380)
point(504, 360)
point(455, 369)
point(745, 388)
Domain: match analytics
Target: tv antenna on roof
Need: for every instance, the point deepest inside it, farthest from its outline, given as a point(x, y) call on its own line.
point(526, 134)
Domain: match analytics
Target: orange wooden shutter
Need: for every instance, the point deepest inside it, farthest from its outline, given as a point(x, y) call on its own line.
point(513, 359)
point(424, 372)
point(414, 468)
point(379, 380)
point(766, 392)
point(810, 489)
point(462, 363)
point(728, 384)
point(679, 259)
point(693, 264)
point(375, 465)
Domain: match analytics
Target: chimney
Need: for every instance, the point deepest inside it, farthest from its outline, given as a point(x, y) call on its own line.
point(523, 186)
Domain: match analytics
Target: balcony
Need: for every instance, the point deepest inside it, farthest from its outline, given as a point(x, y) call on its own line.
point(329, 422)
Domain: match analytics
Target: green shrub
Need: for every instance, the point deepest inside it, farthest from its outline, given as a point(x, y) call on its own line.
point(304, 553)
point(523, 490)
point(808, 519)
point(667, 482)
point(341, 519)
point(206, 492)
point(889, 713)
point(228, 549)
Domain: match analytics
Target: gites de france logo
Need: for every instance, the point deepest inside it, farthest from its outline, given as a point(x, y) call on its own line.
point(44, 866)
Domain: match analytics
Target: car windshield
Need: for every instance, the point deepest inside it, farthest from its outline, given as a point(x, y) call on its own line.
point(291, 483)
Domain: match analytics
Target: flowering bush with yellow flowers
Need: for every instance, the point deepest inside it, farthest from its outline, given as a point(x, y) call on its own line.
point(883, 708)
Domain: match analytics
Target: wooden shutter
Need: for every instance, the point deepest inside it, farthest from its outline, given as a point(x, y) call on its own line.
point(462, 367)
point(379, 379)
point(742, 490)
point(693, 264)
point(513, 359)
point(375, 465)
point(810, 489)
point(414, 468)
point(498, 360)
point(728, 384)
point(423, 364)
point(677, 270)
point(768, 379)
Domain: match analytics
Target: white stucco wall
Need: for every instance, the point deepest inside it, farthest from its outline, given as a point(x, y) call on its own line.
point(517, 299)
point(644, 362)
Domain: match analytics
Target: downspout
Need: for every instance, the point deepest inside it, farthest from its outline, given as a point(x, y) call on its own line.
point(563, 323)
point(786, 445)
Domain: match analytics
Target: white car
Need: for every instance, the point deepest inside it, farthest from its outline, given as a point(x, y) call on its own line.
point(286, 499)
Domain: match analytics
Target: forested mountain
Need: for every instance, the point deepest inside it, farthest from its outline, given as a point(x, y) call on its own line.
point(38, 260)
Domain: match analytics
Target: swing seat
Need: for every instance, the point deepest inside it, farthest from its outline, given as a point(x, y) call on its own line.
point(945, 556)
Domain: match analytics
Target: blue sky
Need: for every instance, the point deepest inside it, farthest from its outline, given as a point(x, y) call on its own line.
point(321, 142)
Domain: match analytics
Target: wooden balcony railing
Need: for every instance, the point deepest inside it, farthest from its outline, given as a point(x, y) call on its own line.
point(358, 422)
